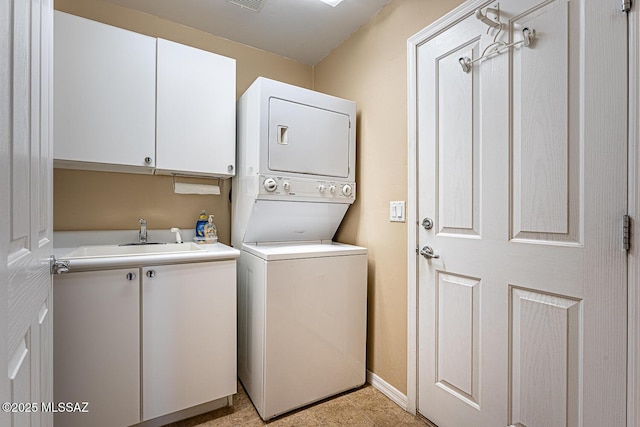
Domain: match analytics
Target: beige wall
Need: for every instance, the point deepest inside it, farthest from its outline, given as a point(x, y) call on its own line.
point(108, 201)
point(370, 68)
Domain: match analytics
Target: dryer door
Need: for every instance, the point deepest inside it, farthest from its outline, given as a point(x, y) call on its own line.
point(308, 140)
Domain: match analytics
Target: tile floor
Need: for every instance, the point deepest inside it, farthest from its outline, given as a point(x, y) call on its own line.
point(363, 407)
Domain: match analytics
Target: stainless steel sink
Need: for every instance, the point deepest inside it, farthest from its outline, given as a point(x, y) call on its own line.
point(101, 251)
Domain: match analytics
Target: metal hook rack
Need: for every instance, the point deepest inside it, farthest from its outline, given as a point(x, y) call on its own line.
point(496, 48)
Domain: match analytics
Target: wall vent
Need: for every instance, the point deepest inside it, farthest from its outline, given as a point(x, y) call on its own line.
point(255, 5)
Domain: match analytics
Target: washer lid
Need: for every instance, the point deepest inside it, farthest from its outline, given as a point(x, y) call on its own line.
point(285, 251)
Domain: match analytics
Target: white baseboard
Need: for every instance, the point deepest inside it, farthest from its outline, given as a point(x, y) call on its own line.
point(387, 389)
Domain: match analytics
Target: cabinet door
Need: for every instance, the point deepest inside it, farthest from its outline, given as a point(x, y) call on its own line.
point(104, 99)
point(189, 335)
point(196, 111)
point(96, 356)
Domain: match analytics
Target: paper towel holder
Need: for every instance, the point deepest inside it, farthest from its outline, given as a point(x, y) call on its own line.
point(196, 188)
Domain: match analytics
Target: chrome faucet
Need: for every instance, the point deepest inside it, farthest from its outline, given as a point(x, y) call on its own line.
point(142, 235)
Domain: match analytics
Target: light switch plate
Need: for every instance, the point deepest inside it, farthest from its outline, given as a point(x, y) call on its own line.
point(397, 211)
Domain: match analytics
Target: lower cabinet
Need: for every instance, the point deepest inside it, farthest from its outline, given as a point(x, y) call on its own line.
point(189, 335)
point(96, 347)
point(144, 342)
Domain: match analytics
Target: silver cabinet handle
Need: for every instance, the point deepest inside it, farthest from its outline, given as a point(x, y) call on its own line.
point(131, 276)
point(151, 273)
point(428, 252)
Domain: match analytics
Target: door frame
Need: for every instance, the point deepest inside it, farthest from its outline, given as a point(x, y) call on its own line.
point(633, 327)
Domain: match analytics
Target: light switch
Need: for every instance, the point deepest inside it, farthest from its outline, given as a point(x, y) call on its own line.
point(397, 211)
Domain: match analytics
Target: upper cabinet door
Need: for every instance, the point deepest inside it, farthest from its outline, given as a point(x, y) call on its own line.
point(196, 112)
point(105, 95)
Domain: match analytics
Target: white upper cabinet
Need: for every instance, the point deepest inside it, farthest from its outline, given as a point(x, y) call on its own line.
point(104, 96)
point(196, 115)
point(126, 102)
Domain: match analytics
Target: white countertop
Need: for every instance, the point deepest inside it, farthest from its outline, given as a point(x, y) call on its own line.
point(209, 252)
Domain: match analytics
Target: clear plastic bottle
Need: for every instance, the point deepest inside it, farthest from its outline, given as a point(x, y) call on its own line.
point(210, 231)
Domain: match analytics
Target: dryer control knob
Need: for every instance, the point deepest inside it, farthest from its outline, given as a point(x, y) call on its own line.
point(332, 188)
point(322, 188)
point(347, 190)
point(270, 184)
point(286, 186)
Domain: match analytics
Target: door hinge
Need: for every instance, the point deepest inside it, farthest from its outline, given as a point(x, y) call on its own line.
point(626, 5)
point(417, 249)
point(626, 232)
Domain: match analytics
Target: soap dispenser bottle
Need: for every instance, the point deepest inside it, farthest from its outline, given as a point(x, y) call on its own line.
point(202, 221)
point(210, 231)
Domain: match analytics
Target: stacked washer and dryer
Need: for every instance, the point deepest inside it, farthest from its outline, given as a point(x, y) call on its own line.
point(302, 299)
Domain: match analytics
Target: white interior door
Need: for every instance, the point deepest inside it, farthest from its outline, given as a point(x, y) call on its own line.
point(25, 210)
point(522, 167)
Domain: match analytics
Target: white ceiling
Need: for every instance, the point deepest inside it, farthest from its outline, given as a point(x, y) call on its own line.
point(304, 30)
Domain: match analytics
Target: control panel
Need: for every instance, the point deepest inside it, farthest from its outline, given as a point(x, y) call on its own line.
point(306, 188)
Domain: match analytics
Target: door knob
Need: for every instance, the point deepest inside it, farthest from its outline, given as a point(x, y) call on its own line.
point(428, 252)
point(427, 223)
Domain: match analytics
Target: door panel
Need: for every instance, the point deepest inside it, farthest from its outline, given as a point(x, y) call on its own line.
point(545, 339)
point(457, 336)
point(545, 149)
point(20, 375)
point(522, 166)
point(458, 142)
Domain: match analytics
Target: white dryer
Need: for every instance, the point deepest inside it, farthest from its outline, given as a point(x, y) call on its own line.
point(301, 297)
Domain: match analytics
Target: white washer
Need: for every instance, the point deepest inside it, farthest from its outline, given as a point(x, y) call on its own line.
point(302, 299)
point(302, 335)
